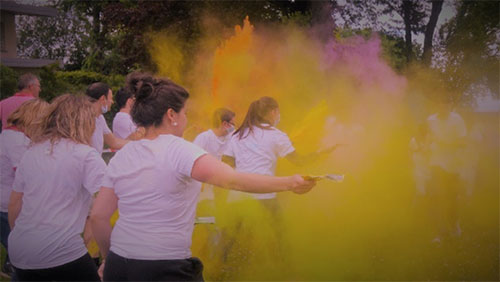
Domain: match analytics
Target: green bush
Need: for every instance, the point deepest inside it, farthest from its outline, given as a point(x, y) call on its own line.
point(8, 82)
point(51, 85)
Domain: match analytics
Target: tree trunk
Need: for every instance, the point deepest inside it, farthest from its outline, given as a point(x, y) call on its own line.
point(407, 22)
point(429, 31)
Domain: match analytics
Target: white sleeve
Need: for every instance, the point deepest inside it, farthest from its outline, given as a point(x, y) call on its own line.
point(200, 140)
point(229, 148)
point(184, 154)
point(108, 180)
point(282, 146)
point(17, 151)
point(94, 169)
point(105, 127)
point(19, 183)
point(120, 128)
point(132, 127)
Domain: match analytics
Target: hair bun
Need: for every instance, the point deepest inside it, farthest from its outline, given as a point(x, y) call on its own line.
point(144, 90)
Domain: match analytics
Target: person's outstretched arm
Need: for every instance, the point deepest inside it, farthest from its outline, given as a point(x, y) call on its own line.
point(114, 142)
point(210, 170)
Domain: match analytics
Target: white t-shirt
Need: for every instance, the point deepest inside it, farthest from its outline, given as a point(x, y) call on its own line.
point(156, 198)
point(13, 145)
point(123, 125)
point(57, 185)
point(215, 146)
point(445, 132)
point(258, 153)
point(101, 128)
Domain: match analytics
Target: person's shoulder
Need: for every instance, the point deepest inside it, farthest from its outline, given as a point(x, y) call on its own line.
point(13, 97)
point(11, 133)
point(100, 118)
point(122, 115)
point(205, 133)
point(276, 132)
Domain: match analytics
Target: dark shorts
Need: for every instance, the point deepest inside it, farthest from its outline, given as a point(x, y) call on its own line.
point(82, 269)
point(118, 268)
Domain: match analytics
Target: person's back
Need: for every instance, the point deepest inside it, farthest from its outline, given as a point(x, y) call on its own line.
point(54, 204)
point(213, 144)
point(51, 195)
point(259, 151)
point(123, 125)
point(157, 198)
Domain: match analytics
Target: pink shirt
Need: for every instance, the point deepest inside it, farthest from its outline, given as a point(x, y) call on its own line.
point(9, 105)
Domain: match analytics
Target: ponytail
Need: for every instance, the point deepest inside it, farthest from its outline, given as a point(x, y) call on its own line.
point(257, 115)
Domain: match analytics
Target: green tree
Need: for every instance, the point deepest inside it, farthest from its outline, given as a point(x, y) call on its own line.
point(471, 48)
point(63, 38)
point(8, 82)
point(397, 19)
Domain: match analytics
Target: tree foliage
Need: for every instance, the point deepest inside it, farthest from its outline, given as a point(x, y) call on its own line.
point(61, 38)
point(471, 47)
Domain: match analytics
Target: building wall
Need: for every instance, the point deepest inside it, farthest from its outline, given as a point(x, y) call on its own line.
point(8, 48)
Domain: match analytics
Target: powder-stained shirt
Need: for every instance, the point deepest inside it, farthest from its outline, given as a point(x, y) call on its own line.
point(258, 153)
point(57, 183)
point(156, 198)
point(123, 125)
point(13, 145)
point(101, 128)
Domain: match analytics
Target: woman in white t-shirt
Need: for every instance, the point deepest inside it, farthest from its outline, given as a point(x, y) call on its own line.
point(51, 195)
point(14, 142)
point(153, 184)
point(257, 144)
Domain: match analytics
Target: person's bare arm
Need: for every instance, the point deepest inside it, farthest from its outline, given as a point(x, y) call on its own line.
point(210, 170)
point(114, 142)
point(104, 206)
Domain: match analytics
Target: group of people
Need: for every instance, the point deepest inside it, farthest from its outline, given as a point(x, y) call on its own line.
point(54, 179)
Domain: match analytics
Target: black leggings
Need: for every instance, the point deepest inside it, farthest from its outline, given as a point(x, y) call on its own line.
point(82, 269)
point(118, 268)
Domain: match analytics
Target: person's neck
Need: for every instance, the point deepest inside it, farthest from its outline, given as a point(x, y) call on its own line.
point(219, 132)
point(153, 132)
point(25, 92)
point(125, 110)
point(97, 108)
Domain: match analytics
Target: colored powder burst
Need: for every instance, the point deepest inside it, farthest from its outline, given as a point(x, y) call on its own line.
point(373, 226)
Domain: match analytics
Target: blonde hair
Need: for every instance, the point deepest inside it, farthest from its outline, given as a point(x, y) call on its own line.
point(27, 115)
point(68, 116)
